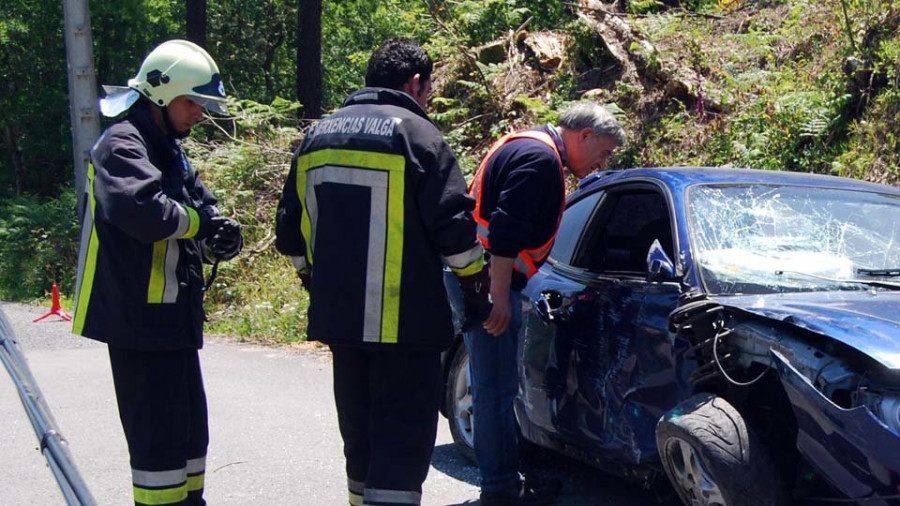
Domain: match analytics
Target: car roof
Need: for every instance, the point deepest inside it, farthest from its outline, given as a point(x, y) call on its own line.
point(679, 178)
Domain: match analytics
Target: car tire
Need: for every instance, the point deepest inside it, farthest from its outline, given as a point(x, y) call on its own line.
point(712, 458)
point(458, 401)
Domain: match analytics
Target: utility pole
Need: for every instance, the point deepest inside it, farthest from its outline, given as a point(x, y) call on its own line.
point(82, 88)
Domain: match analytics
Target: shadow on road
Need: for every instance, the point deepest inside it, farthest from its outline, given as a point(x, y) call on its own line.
point(448, 461)
point(583, 485)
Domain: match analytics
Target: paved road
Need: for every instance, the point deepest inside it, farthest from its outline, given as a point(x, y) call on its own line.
point(274, 438)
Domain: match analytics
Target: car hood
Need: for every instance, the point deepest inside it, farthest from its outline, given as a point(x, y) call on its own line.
point(869, 322)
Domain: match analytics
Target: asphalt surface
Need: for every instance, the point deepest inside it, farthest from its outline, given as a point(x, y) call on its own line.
point(274, 437)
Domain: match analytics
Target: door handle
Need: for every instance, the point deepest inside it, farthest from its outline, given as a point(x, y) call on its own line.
point(549, 307)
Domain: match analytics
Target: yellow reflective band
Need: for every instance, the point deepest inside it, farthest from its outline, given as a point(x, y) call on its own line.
point(157, 273)
point(305, 224)
point(90, 262)
point(395, 166)
point(393, 268)
point(356, 499)
point(160, 496)
point(193, 222)
point(473, 268)
point(341, 158)
point(351, 158)
point(195, 483)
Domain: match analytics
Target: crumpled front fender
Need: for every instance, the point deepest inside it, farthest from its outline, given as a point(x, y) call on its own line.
point(852, 448)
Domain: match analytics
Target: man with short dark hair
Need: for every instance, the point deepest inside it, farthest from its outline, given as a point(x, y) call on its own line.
point(373, 208)
point(519, 191)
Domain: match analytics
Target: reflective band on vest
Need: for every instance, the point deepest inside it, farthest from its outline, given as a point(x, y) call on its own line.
point(528, 261)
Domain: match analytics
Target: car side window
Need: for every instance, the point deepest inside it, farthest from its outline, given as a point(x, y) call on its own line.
point(573, 224)
point(622, 231)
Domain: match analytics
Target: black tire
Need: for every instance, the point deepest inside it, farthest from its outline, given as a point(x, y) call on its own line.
point(712, 458)
point(458, 401)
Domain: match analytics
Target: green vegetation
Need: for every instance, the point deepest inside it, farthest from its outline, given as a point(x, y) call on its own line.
point(802, 85)
point(38, 244)
point(245, 160)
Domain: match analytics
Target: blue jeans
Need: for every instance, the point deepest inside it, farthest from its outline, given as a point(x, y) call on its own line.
point(492, 360)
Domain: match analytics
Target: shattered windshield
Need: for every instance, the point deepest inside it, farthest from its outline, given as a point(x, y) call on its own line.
point(768, 239)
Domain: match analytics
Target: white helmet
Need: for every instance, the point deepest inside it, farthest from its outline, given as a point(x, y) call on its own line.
point(179, 67)
point(174, 68)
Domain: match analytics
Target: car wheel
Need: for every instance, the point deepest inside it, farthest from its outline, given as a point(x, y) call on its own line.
point(459, 404)
point(713, 458)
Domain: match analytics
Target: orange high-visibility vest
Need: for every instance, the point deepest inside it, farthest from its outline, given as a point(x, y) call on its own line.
point(528, 261)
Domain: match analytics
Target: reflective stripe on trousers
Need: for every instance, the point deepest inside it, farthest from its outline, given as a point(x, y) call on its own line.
point(355, 490)
point(379, 497)
point(168, 487)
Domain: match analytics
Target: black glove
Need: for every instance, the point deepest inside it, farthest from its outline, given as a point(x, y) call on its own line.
point(305, 278)
point(226, 241)
point(476, 289)
point(207, 226)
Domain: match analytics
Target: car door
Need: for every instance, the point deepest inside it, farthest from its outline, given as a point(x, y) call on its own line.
point(598, 366)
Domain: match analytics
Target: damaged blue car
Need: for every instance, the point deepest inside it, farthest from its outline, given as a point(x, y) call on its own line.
point(734, 331)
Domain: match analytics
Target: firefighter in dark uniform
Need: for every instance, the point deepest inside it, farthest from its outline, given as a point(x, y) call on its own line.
point(148, 223)
point(373, 208)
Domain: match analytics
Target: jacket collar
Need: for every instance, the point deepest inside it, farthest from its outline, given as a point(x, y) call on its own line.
point(140, 116)
point(385, 96)
point(554, 133)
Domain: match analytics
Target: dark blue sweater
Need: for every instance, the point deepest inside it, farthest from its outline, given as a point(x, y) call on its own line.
point(522, 195)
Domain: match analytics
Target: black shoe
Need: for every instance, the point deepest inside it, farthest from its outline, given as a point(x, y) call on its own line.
point(530, 492)
point(548, 486)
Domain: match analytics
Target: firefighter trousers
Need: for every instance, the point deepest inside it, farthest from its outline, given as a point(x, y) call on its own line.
point(162, 406)
point(387, 403)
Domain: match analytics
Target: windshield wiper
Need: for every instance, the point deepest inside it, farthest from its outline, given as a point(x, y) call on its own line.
point(879, 273)
point(878, 284)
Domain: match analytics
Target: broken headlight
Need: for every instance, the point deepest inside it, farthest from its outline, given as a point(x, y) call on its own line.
point(886, 406)
point(890, 412)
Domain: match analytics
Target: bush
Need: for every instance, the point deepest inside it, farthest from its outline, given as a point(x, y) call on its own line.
point(245, 162)
point(38, 246)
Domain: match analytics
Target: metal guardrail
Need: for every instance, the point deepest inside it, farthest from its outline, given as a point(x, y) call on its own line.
point(53, 446)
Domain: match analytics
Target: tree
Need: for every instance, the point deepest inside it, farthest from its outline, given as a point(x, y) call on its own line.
point(309, 58)
point(35, 139)
point(251, 40)
point(196, 22)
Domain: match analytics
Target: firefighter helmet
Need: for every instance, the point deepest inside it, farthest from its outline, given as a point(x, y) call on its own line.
point(178, 67)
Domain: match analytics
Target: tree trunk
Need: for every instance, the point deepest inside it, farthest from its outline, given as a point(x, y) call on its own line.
point(274, 40)
point(309, 58)
point(196, 22)
point(18, 160)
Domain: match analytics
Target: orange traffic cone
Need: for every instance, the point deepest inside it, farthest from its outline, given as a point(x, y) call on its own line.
point(55, 308)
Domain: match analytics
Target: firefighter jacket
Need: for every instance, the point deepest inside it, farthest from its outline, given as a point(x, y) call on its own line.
point(520, 194)
point(140, 271)
point(374, 206)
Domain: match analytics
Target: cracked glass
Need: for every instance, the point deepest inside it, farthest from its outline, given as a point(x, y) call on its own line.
point(751, 239)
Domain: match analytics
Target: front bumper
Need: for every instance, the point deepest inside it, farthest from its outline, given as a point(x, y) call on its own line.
point(852, 448)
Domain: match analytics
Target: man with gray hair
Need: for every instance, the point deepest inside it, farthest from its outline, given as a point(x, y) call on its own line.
point(519, 191)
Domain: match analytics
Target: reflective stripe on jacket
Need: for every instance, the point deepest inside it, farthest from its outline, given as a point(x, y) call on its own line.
point(374, 206)
point(140, 271)
point(528, 260)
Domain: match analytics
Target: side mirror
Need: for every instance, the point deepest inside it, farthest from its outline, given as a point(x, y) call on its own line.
point(659, 266)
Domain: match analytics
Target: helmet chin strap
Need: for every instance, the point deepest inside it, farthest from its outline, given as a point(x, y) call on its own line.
point(171, 127)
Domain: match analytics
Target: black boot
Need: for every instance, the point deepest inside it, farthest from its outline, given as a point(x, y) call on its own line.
point(529, 492)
